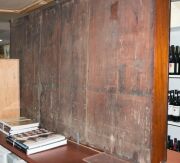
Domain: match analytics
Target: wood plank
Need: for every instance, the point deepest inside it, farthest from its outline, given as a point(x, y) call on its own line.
point(9, 88)
point(160, 87)
point(173, 157)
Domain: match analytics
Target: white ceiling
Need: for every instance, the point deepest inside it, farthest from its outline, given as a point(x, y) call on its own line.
point(15, 4)
point(21, 6)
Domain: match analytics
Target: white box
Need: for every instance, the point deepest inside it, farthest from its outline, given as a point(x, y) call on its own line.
point(3, 154)
point(12, 158)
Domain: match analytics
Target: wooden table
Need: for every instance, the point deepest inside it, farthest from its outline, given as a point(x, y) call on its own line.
point(173, 156)
point(70, 153)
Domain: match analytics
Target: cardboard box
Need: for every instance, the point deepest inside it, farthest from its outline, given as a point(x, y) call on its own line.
point(9, 88)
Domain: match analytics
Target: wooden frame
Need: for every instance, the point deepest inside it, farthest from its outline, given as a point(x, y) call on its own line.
point(160, 87)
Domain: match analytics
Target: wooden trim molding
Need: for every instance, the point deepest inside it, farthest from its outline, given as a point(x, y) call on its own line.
point(160, 87)
point(28, 8)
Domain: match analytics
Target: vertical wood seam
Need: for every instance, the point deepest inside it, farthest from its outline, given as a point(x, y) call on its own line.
point(87, 71)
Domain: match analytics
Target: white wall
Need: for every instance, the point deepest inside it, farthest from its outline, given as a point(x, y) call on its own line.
point(174, 83)
point(175, 36)
point(175, 14)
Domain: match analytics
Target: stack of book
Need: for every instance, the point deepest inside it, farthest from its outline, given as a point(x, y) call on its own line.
point(18, 125)
point(37, 140)
point(26, 135)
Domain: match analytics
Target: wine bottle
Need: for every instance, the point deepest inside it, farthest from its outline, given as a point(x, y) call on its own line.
point(176, 60)
point(175, 145)
point(168, 141)
point(176, 107)
point(171, 105)
point(178, 104)
point(178, 146)
point(171, 144)
point(171, 61)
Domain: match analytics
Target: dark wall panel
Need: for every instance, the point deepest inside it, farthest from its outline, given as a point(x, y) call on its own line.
point(17, 38)
point(72, 69)
point(120, 77)
point(49, 66)
point(87, 72)
point(25, 46)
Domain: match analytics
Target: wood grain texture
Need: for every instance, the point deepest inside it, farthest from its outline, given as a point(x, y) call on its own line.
point(103, 157)
point(160, 87)
point(26, 47)
point(30, 91)
point(92, 66)
point(173, 156)
point(48, 64)
point(9, 88)
point(72, 66)
point(120, 78)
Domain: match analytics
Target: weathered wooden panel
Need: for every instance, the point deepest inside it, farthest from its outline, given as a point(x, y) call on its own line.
point(29, 67)
point(17, 38)
point(120, 77)
point(72, 70)
point(25, 46)
point(48, 67)
point(9, 88)
point(87, 72)
point(103, 49)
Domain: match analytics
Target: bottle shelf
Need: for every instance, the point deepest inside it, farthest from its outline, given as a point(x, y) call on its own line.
point(174, 123)
point(174, 76)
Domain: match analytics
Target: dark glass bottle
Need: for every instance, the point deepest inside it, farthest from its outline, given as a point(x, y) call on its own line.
point(171, 144)
point(174, 103)
point(171, 61)
point(171, 105)
point(176, 60)
point(175, 145)
point(178, 146)
point(176, 107)
point(168, 141)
